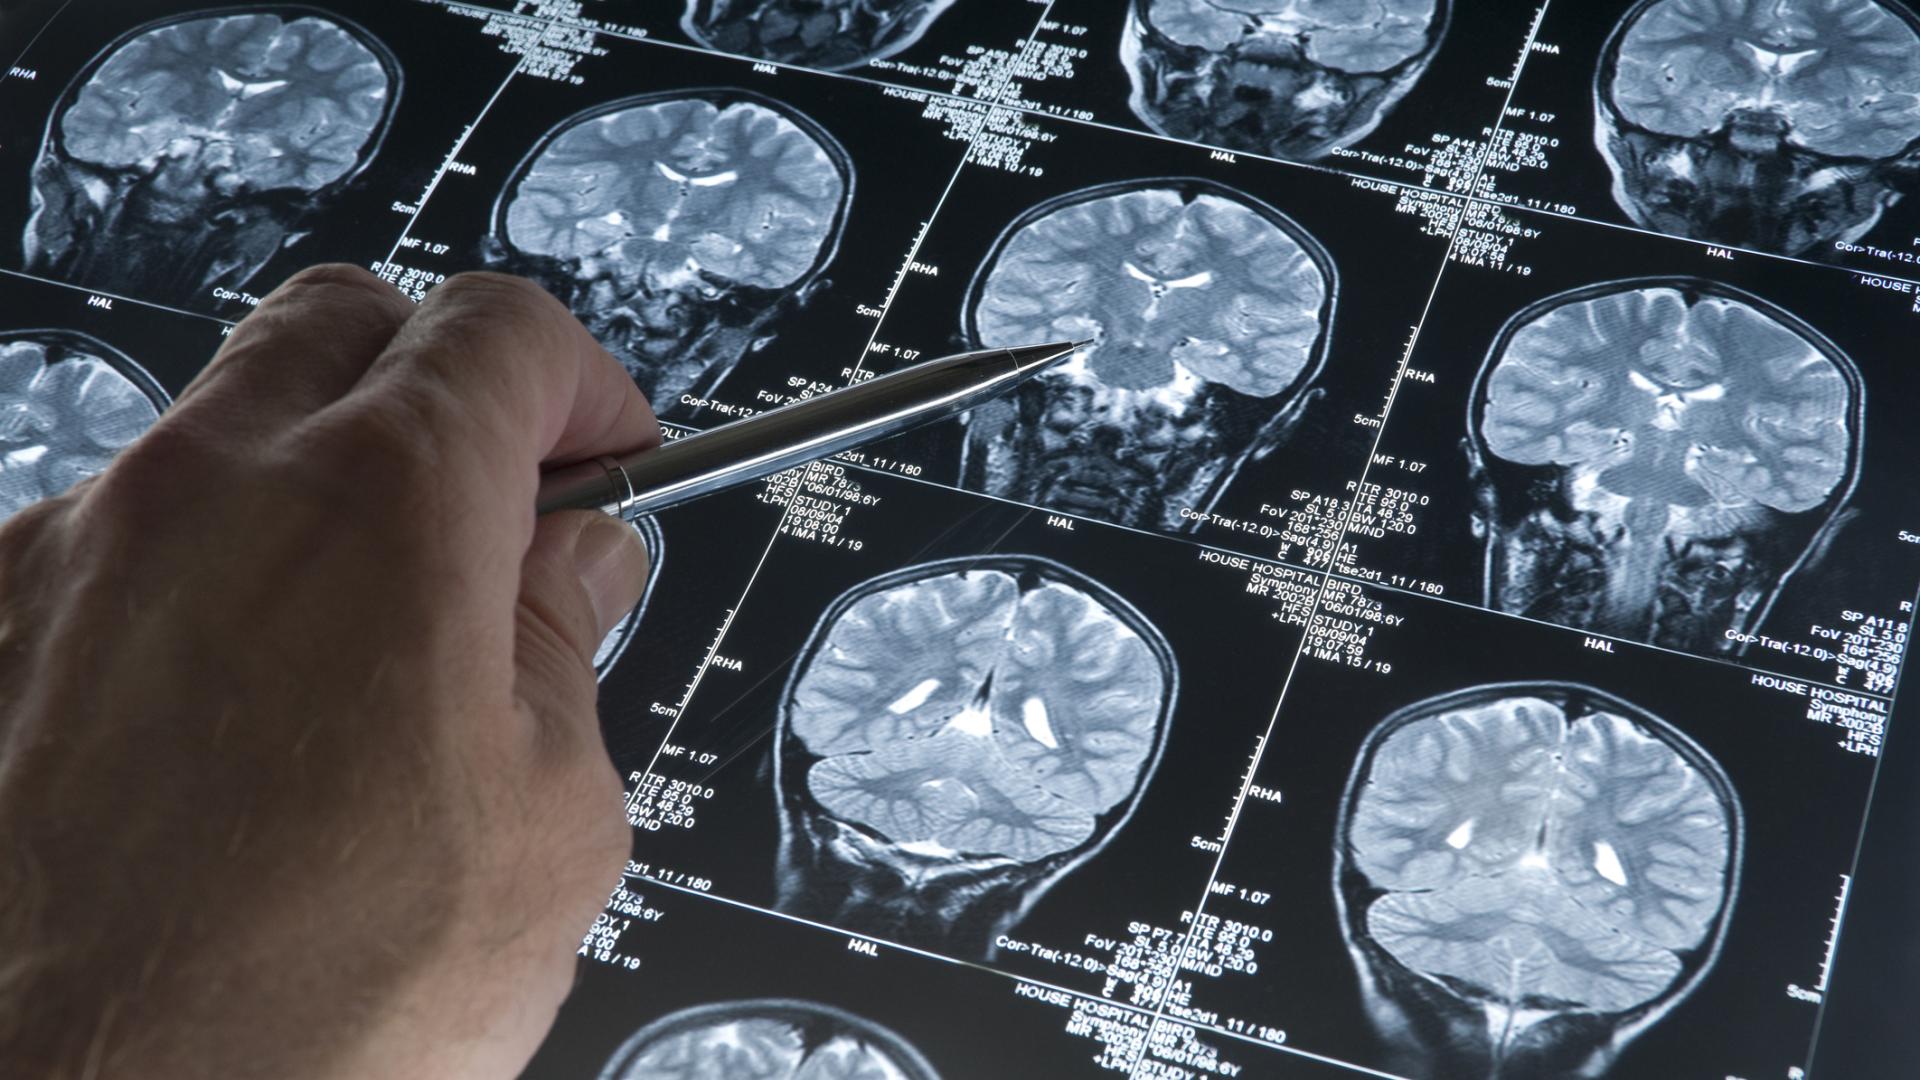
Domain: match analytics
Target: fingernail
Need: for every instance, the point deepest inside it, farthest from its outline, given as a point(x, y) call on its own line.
point(612, 563)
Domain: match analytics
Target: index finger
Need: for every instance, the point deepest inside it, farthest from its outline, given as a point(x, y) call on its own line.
point(500, 376)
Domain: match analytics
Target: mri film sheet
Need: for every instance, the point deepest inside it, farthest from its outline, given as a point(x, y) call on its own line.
point(1446, 624)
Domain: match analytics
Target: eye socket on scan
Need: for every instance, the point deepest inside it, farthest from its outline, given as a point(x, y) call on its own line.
point(1291, 79)
point(679, 227)
point(1208, 312)
point(191, 151)
point(766, 1039)
point(1659, 455)
point(832, 35)
point(955, 738)
point(68, 404)
point(1779, 127)
point(1529, 876)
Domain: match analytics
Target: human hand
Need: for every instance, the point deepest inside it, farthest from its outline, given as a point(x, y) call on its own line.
point(300, 774)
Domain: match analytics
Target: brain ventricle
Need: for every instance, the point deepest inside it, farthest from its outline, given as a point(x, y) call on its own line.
point(61, 421)
point(1530, 856)
point(1162, 280)
point(671, 187)
point(1842, 77)
point(257, 101)
point(1348, 35)
point(1689, 403)
point(969, 713)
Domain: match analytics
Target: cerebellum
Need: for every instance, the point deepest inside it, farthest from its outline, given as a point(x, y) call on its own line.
point(1533, 857)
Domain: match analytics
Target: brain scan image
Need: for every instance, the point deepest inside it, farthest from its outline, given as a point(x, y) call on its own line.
point(1655, 458)
point(954, 739)
point(766, 1039)
point(1290, 79)
point(1208, 312)
point(1779, 125)
point(192, 150)
point(678, 227)
point(68, 404)
point(832, 35)
point(1529, 876)
point(616, 642)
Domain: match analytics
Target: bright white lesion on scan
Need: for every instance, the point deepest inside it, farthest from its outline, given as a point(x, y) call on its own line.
point(964, 714)
point(1530, 855)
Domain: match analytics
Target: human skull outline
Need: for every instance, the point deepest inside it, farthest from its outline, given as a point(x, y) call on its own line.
point(1182, 386)
point(1666, 523)
point(679, 312)
point(832, 35)
point(1291, 79)
point(966, 875)
point(68, 403)
point(1606, 805)
point(1726, 126)
point(765, 1039)
point(198, 175)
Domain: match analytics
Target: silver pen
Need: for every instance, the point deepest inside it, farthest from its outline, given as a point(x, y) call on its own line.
point(759, 446)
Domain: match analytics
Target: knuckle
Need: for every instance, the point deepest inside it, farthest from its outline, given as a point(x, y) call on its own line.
point(483, 293)
point(337, 277)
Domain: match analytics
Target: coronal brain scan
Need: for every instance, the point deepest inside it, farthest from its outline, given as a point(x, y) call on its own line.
point(68, 404)
point(1290, 79)
point(1779, 125)
point(1208, 312)
point(1529, 876)
point(192, 150)
point(766, 1039)
point(677, 226)
point(830, 34)
point(955, 738)
point(1679, 447)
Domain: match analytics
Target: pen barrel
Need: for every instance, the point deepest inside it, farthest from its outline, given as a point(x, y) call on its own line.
point(781, 439)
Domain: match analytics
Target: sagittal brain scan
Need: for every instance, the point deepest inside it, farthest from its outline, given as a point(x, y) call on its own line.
point(616, 642)
point(192, 150)
point(1778, 125)
point(955, 738)
point(1656, 457)
point(1529, 876)
point(1286, 78)
point(830, 34)
point(766, 1039)
point(678, 227)
point(68, 404)
point(1208, 312)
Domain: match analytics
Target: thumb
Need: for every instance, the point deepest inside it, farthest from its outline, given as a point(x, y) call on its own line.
point(582, 573)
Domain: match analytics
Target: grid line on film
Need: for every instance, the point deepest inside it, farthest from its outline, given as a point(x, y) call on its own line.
point(786, 511)
point(1186, 941)
point(1471, 195)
